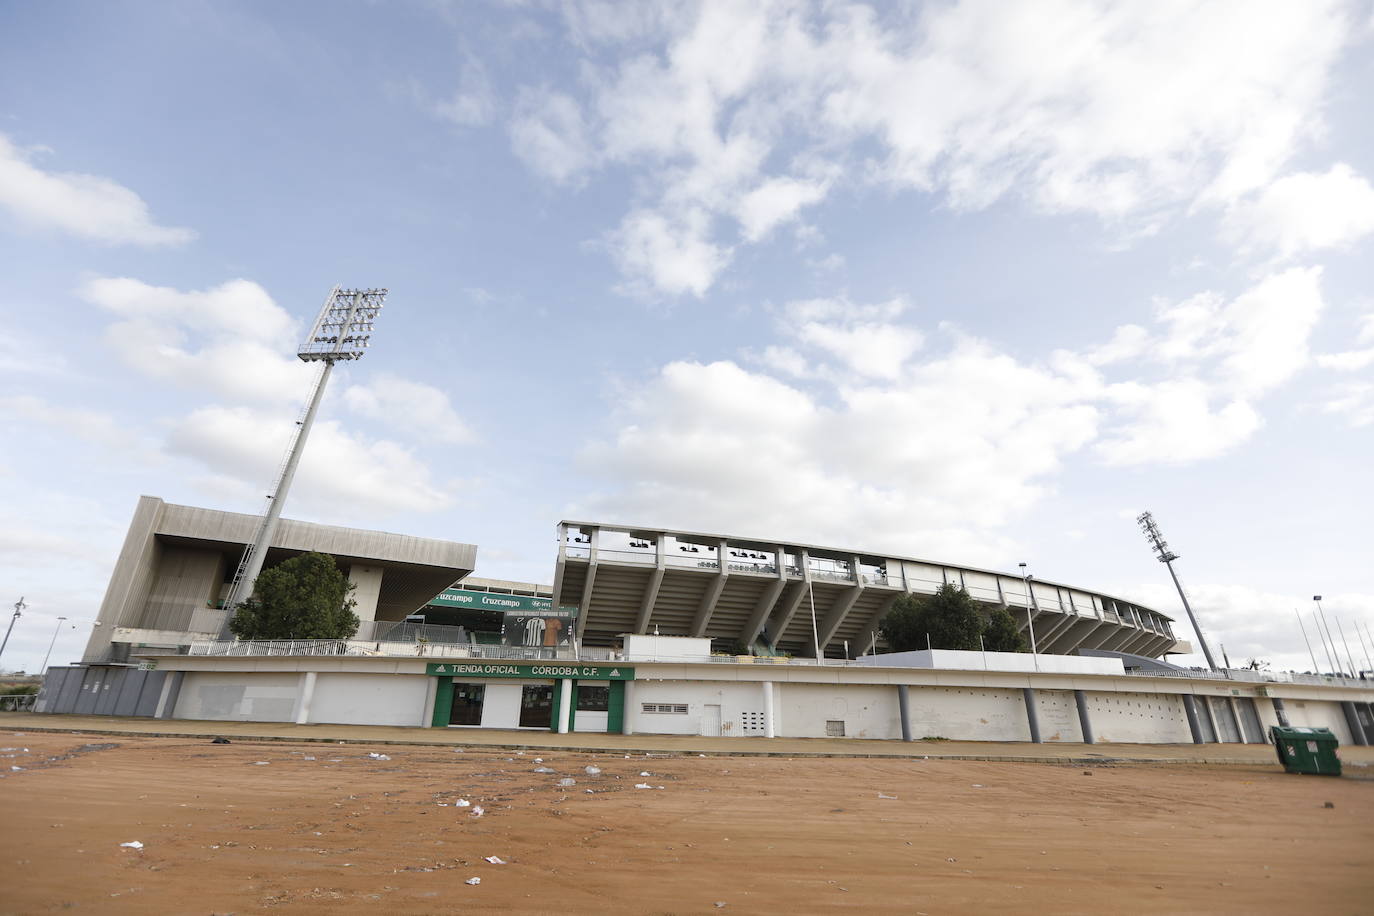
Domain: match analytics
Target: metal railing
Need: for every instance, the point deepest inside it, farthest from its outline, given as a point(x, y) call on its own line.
point(1246, 675)
point(19, 702)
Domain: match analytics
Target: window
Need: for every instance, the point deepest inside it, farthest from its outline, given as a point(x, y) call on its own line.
point(593, 699)
point(834, 728)
point(676, 709)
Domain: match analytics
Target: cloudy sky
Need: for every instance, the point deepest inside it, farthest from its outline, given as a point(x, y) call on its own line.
point(975, 282)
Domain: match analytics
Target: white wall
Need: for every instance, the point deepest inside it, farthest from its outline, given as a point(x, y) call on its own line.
point(735, 701)
point(238, 696)
point(370, 699)
point(967, 714)
point(961, 660)
point(1319, 714)
point(642, 645)
point(1058, 714)
point(1139, 718)
point(867, 711)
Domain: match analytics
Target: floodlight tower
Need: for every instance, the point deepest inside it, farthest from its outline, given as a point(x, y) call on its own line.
point(342, 330)
point(1167, 557)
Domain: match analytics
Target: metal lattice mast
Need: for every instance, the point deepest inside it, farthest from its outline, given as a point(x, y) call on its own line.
point(342, 331)
point(1167, 557)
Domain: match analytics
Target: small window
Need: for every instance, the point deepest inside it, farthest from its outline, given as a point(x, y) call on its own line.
point(593, 699)
point(676, 709)
point(834, 728)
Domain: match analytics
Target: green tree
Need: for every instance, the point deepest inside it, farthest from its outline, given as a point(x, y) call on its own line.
point(949, 618)
point(306, 597)
point(1001, 633)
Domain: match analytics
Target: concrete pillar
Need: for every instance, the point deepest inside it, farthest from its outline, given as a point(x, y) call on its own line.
point(1085, 723)
point(431, 691)
point(171, 691)
point(564, 704)
point(1032, 714)
point(627, 726)
point(1211, 719)
point(1352, 719)
point(1279, 712)
point(769, 729)
point(367, 587)
point(904, 710)
point(307, 697)
point(1190, 709)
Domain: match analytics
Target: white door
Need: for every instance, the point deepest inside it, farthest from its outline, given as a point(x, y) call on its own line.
point(710, 720)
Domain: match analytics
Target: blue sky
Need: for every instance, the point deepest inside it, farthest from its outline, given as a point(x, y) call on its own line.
point(961, 281)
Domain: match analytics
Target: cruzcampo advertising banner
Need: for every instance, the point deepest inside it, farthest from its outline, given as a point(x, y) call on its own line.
point(488, 601)
point(531, 670)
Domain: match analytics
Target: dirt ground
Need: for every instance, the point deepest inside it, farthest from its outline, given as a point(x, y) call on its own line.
point(324, 827)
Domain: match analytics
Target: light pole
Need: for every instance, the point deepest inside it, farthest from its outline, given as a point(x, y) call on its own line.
point(1167, 557)
point(18, 612)
point(51, 643)
point(342, 331)
point(1032, 608)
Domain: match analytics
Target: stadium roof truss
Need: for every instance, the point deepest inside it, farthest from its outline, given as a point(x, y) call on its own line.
point(628, 579)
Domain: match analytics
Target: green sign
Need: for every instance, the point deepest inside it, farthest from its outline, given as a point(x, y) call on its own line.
point(488, 601)
point(531, 670)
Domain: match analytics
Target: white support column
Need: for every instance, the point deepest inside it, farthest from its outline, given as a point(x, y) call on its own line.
point(431, 692)
point(769, 729)
point(564, 704)
point(627, 722)
point(307, 697)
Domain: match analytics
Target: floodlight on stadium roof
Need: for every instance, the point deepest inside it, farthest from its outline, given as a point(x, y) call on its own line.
point(343, 329)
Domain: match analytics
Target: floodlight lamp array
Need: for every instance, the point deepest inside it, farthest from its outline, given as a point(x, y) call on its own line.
point(343, 329)
point(1157, 542)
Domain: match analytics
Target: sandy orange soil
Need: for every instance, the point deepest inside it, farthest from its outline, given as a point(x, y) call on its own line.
point(322, 827)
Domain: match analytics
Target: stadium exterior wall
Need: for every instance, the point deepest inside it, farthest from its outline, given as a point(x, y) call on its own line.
point(686, 698)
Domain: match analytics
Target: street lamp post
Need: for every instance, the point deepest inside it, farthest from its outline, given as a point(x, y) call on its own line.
point(18, 612)
point(51, 643)
point(1032, 608)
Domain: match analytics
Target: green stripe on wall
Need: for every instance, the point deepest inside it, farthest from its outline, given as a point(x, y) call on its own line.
point(443, 702)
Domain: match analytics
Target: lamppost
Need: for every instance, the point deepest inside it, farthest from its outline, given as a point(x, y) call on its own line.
point(51, 643)
point(342, 331)
point(18, 612)
point(1032, 608)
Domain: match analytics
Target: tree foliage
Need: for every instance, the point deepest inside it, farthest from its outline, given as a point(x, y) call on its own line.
point(948, 619)
point(1001, 633)
point(306, 597)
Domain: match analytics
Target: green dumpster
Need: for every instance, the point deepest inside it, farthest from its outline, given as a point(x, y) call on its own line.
point(1307, 750)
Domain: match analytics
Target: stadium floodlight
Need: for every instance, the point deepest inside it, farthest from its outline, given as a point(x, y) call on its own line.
point(1167, 557)
point(52, 642)
point(342, 331)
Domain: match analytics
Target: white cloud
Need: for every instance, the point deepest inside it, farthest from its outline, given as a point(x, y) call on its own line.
point(90, 425)
point(548, 132)
point(1254, 623)
point(774, 202)
point(231, 339)
point(87, 206)
point(1347, 361)
point(337, 468)
point(473, 103)
point(421, 410)
point(1307, 211)
point(875, 441)
point(672, 254)
point(1354, 401)
point(1077, 107)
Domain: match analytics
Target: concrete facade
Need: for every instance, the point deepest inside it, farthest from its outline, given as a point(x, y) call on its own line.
point(749, 700)
point(175, 563)
point(737, 591)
